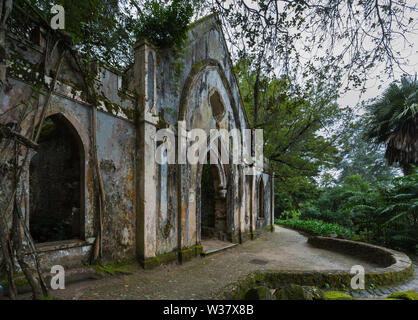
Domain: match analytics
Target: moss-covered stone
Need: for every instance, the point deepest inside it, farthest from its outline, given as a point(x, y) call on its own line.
point(121, 267)
point(404, 295)
point(182, 255)
point(269, 228)
point(19, 282)
point(336, 295)
point(257, 293)
point(189, 253)
point(291, 292)
point(150, 263)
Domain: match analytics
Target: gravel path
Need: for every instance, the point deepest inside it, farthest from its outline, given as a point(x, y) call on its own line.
point(200, 278)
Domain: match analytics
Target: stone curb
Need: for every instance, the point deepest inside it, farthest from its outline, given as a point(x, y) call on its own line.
point(393, 267)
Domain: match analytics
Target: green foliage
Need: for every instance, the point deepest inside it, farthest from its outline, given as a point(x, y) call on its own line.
point(333, 205)
point(361, 158)
point(98, 29)
point(393, 120)
point(291, 214)
point(405, 295)
point(18, 282)
point(165, 25)
point(336, 295)
point(315, 227)
point(386, 214)
point(292, 116)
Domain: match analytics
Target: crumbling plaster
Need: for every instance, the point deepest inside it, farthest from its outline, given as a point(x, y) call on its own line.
point(152, 211)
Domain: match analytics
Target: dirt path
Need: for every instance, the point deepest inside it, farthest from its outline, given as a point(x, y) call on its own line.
point(202, 277)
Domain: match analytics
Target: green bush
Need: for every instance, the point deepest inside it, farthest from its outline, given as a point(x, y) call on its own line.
point(405, 295)
point(315, 227)
point(386, 214)
point(165, 25)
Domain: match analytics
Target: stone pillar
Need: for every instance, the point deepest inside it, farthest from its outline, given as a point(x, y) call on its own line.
point(234, 223)
point(146, 166)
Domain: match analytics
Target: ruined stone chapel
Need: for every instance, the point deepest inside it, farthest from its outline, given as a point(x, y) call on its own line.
point(155, 213)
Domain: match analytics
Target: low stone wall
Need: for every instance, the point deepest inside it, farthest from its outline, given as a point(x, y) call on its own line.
point(393, 267)
point(378, 255)
point(68, 254)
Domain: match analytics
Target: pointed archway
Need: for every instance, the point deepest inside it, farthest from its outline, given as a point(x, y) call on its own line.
point(213, 209)
point(56, 183)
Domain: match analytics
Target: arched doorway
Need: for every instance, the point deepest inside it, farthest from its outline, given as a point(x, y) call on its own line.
point(261, 199)
point(55, 179)
point(213, 200)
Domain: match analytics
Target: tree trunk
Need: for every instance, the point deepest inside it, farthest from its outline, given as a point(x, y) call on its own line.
point(7, 259)
point(256, 97)
point(5, 9)
point(20, 255)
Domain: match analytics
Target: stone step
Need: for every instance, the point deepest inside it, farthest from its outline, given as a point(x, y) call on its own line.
point(213, 251)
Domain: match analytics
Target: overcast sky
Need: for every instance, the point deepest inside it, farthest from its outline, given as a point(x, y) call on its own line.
point(352, 97)
point(375, 87)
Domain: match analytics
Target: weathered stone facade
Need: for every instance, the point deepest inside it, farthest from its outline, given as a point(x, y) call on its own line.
point(153, 212)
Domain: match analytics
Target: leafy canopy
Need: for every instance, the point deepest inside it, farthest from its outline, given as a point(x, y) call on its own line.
point(393, 120)
point(165, 25)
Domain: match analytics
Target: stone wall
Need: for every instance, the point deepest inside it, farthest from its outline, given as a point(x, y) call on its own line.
point(116, 149)
point(152, 211)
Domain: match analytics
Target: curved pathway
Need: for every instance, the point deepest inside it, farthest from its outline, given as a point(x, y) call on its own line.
point(201, 278)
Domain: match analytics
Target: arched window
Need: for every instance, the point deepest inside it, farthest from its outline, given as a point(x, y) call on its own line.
point(56, 182)
point(261, 199)
point(217, 105)
point(150, 81)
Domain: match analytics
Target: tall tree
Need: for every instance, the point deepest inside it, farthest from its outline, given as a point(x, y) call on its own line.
point(319, 34)
point(297, 121)
point(363, 158)
point(393, 121)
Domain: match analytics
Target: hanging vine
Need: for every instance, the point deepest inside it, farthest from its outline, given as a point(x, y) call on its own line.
point(12, 240)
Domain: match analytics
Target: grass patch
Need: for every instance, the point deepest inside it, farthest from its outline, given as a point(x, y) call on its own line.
point(315, 227)
point(404, 295)
point(18, 282)
point(112, 269)
point(337, 295)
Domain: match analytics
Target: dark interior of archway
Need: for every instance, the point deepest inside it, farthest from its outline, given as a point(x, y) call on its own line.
point(55, 184)
point(207, 202)
point(261, 200)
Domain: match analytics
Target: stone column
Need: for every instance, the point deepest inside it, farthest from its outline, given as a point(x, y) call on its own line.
point(146, 166)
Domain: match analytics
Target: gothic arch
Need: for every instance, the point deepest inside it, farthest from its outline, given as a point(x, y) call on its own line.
point(261, 198)
point(198, 69)
point(75, 129)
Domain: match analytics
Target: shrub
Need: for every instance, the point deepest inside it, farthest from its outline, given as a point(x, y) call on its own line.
point(386, 214)
point(316, 227)
point(165, 25)
point(405, 295)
